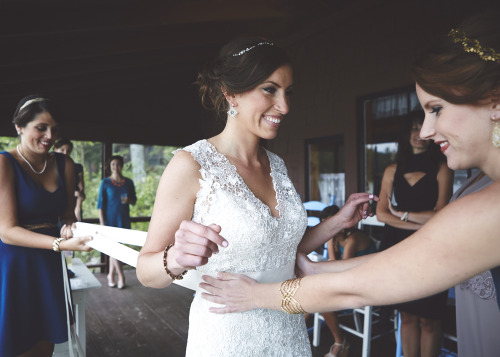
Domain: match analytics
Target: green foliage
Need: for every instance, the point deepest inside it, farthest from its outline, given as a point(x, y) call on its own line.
point(8, 143)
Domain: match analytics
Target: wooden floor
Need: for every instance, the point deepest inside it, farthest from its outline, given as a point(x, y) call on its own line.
point(139, 321)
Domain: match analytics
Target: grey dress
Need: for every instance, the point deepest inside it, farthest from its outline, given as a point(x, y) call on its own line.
point(478, 315)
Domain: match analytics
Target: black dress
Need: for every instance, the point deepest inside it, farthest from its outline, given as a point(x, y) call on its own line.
point(420, 197)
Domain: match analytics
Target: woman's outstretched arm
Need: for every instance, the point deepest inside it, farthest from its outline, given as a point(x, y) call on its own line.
point(434, 258)
point(355, 209)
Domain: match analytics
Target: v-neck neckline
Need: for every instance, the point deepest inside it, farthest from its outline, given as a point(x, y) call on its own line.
point(240, 178)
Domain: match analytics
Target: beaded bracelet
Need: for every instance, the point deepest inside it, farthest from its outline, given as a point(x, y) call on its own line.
point(55, 244)
point(172, 276)
point(288, 303)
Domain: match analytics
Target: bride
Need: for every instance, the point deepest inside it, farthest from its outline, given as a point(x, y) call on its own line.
point(227, 204)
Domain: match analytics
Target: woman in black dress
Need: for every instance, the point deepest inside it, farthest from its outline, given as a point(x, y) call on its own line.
point(421, 184)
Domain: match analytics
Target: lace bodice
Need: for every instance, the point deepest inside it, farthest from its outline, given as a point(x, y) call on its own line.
point(257, 240)
point(258, 243)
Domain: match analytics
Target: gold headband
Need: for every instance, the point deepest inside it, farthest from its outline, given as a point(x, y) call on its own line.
point(470, 45)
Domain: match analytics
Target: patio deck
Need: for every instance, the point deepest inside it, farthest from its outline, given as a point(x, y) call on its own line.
point(139, 321)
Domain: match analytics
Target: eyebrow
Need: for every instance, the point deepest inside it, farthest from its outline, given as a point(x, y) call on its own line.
point(277, 85)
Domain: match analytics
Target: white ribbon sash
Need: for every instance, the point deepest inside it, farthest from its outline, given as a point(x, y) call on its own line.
point(111, 240)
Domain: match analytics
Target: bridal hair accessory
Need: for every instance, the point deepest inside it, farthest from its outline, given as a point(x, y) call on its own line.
point(470, 45)
point(31, 167)
point(172, 276)
point(288, 303)
point(252, 47)
point(495, 135)
point(28, 102)
point(232, 112)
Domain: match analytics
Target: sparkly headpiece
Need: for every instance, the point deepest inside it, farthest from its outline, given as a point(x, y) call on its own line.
point(470, 45)
point(28, 102)
point(252, 47)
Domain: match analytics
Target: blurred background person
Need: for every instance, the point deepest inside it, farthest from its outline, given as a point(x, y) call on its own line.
point(116, 194)
point(65, 146)
point(421, 185)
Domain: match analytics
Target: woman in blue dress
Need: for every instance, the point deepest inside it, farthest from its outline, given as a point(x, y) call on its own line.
point(116, 193)
point(36, 216)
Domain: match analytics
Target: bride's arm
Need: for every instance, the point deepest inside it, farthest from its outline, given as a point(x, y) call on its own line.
point(436, 257)
point(356, 208)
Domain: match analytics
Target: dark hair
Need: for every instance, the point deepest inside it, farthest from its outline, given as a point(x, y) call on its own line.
point(449, 72)
point(39, 104)
point(405, 150)
point(328, 212)
point(256, 59)
point(63, 141)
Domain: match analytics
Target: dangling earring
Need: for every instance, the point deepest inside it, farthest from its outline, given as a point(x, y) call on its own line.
point(18, 132)
point(495, 135)
point(232, 112)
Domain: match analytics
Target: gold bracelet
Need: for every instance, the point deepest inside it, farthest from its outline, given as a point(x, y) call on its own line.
point(172, 276)
point(55, 244)
point(288, 303)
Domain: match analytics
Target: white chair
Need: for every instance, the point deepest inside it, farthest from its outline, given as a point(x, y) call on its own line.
point(315, 206)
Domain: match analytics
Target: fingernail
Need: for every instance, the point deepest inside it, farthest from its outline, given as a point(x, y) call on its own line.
point(370, 196)
point(224, 243)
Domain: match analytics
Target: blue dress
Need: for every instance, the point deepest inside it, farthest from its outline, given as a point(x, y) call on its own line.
point(32, 303)
point(116, 214)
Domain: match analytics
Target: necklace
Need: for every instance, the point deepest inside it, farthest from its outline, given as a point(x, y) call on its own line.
point(31, 167)
point(118, 183)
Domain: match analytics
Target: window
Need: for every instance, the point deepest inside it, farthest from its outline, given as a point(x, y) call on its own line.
point(325, 170)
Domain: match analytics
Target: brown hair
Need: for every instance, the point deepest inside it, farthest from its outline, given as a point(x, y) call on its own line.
point(39, 104)
point(241, 65)
point(449, 72)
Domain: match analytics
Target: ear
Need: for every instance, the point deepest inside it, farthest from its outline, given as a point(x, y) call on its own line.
point(231, 98)
point(495, 105)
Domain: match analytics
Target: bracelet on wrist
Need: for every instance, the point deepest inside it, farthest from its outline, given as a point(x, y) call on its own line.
point(172, 276)
point(55, 244)
point(404, 217)
point(288, 303)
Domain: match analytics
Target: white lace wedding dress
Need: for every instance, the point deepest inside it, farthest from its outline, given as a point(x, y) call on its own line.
point(260, 246)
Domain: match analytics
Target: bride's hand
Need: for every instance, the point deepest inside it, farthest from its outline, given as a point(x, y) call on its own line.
point(303, 265)
point(232, 290)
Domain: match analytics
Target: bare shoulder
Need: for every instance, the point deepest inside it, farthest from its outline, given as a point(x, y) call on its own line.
point(183, 161)
point(7, 172)
point(5, 164)
point(182, 173)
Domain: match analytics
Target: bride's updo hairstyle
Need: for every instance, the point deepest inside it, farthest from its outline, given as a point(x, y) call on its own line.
point(463, 66)
point(241, 65)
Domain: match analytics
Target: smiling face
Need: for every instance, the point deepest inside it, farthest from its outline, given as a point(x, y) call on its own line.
point(116, 167)
point(39, 135)
point(262, 109)
point(463, 131)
